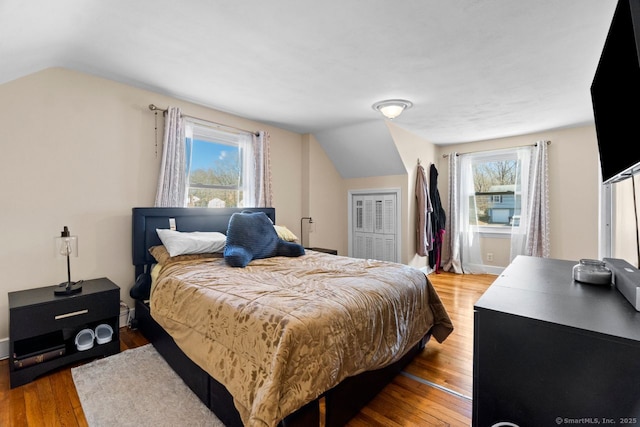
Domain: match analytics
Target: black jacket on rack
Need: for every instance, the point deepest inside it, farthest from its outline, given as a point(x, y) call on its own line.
point(438, 219)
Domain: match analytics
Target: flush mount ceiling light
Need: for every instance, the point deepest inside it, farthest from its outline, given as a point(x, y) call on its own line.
point(392, 108)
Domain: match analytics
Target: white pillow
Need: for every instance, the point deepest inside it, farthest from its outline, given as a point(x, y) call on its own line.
point(197, 242)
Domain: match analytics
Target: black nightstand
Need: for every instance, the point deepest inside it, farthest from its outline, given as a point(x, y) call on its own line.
point(43, 327)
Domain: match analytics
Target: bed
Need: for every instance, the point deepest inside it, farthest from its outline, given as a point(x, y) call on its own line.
point(265, 344)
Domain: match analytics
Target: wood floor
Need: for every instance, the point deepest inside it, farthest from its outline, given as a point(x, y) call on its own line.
point(434, 390)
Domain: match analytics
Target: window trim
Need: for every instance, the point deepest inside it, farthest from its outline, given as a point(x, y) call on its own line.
point(496, 231)
point(206, 132)
point(507, 154)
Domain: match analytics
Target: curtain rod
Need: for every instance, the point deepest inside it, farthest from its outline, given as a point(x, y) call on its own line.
point(152, 107)
point(496, 149)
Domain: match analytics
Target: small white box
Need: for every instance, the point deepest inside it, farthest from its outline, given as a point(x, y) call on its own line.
point(124, 315)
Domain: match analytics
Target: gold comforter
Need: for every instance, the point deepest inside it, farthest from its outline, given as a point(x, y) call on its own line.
point(282, 331)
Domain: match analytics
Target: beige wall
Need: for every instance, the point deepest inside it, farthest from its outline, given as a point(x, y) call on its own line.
point(323, 200)
point(412, 149)
point(81, 151)
point(574, 188)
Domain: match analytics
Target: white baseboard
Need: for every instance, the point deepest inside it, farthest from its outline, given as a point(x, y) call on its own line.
point(489, 269)
point(4, 348)
point(427, 270)
point(492, 269)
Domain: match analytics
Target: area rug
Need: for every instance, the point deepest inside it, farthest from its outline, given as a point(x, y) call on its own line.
point(138, 388)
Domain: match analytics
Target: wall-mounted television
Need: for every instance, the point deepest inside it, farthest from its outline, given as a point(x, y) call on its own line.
point(615, 94)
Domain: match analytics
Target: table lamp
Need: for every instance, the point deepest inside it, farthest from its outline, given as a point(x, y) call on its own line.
point(66, 246)
point(301, 231)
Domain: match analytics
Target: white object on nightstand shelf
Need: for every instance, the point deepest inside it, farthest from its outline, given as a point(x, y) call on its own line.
point(125, 315)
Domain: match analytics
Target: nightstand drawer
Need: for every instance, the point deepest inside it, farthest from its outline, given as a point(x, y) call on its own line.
point(63, 313)
point(43, 326)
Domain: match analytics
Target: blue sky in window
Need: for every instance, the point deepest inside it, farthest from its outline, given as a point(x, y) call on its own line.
point(205, 154)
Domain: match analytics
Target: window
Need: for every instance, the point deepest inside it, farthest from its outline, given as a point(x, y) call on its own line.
point(518, 175)
point(215, 166)
point(207, 164)
point(495, 202)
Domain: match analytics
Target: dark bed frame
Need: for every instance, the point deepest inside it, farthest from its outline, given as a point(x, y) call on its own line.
point(341, 402)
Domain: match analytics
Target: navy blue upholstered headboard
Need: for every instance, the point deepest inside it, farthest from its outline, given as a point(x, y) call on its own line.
point(146, 220)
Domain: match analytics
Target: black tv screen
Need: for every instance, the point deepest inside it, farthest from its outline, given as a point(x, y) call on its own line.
point(615, 94)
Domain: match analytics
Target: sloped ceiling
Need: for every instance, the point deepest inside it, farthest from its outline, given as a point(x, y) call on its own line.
point(362, 150)
point(473, 69)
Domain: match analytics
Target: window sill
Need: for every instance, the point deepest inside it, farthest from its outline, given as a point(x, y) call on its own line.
point(495, 232)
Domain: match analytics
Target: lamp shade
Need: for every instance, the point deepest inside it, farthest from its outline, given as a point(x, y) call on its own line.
point(392, 108)
point(66, 244)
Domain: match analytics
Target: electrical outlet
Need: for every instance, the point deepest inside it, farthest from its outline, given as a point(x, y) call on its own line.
point(489, 256)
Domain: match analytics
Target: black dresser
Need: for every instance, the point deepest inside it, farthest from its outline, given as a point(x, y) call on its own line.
point(550, 351)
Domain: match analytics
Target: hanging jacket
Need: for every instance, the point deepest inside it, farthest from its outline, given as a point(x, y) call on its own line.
point(424, 232)
point(438, 218)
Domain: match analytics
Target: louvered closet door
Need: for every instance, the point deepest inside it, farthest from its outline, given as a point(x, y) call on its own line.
point(374, 226)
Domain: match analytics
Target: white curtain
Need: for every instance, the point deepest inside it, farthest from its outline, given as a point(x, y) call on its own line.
point(531, 235)
point(464, 238)
point(172, 180)
point(519, 227)
point(257, 170)
point(469, 237)
point(260, 174)
point(452, 233)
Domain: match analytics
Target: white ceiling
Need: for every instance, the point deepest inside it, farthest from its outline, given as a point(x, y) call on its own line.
point(474, 69)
